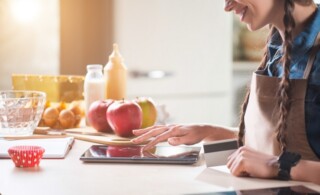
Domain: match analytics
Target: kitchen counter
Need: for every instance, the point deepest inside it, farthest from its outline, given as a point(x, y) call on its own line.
point(71, 176)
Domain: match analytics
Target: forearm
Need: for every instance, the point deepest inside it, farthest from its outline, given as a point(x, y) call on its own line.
point(306, 171)
point(213, 133)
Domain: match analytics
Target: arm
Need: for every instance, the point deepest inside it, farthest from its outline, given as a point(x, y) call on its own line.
point(249, 162)
point(221, 133)
point(306, 171)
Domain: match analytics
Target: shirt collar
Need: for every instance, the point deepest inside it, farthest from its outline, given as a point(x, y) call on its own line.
point(302, 43)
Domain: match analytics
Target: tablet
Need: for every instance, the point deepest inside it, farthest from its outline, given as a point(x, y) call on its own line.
point(287, 190)
point(136, 154)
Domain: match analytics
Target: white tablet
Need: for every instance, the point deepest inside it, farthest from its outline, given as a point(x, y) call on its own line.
point(136, 154)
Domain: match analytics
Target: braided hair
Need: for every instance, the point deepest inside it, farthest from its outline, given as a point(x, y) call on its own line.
point(284, 87)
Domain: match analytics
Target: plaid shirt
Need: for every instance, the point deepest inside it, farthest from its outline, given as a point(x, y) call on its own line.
point(300, 54)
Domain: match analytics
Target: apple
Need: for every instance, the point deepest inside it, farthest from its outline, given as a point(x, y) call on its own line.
point(124, 151)
point(149, 111)
point(97, 115)
point(124, 116)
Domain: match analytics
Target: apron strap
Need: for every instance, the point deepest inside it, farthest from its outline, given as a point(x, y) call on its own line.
point(313, 53)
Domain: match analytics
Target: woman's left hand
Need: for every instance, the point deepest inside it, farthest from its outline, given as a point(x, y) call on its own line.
point(248, 162)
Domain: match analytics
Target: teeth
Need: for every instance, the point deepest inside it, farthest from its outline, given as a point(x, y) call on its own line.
point(243, 11)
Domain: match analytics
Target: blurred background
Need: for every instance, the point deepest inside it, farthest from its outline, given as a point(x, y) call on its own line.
point(190, 56)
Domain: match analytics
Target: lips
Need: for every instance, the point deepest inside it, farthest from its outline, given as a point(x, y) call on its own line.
point(238, 8)
point(241, 12)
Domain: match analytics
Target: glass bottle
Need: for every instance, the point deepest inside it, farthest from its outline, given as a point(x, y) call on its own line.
point(94, 86)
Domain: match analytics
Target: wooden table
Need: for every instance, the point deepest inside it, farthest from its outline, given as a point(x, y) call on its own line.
point(71, 176)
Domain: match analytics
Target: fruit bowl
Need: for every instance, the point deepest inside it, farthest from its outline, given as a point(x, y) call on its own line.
point(20, 112)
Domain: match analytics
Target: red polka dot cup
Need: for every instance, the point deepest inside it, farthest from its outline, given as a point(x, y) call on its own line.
point(26, 156)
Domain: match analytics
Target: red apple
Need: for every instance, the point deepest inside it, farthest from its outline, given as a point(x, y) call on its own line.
point(97, 115)
point(149, 111)
point(124, 151)
point(124, 116)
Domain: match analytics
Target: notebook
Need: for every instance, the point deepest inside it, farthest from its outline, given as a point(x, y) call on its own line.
point(54, 147)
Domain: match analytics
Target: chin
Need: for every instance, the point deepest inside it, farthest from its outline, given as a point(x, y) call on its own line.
point(252, 27)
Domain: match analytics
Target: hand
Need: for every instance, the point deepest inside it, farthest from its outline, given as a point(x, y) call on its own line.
point(248, 162)
point(174, 134)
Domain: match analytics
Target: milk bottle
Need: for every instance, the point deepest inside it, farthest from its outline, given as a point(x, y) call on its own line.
point(94, 86)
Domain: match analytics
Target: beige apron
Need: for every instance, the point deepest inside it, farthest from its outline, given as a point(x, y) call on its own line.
point(262, 113)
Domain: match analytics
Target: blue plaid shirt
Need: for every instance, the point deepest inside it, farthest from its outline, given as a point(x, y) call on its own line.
point(301, 46)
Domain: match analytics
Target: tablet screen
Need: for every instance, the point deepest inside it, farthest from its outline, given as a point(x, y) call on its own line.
point(136, 154)
point(288, 190)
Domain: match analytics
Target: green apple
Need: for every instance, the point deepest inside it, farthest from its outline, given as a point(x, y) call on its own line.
point(149, 111)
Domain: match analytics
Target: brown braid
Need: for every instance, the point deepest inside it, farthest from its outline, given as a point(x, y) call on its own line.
point(283, 91)
point(262, 65)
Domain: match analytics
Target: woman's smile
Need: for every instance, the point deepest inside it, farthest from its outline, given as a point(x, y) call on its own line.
point(241, 12)
point(238, 8)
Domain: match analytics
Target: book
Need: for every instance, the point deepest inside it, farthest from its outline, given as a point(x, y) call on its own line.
point(54, 147)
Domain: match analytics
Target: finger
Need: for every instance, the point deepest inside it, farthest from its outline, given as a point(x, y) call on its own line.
point(150, 145)
point(172, 132)
point(151, 133)
point(165, 135)
point(184, 139)
point(142, 131)
point(147, 153)
point(238, 167)
point(244, 157)
point(175, 141)
point(233, 157)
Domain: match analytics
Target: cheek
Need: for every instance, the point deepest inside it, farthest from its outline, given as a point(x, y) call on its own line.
point(259, 17)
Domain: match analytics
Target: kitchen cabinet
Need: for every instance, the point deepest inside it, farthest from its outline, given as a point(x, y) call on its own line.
point(180, 53)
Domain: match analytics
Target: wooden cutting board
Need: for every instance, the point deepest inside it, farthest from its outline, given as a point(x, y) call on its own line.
point(85, 134)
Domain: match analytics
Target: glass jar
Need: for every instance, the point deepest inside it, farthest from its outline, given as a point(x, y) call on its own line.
point(94, 86)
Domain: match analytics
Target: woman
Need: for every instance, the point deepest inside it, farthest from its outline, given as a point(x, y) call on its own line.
point(279, 131)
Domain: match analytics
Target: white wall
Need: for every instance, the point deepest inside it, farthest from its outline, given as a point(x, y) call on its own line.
point(28, 46)
point(192, 40)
